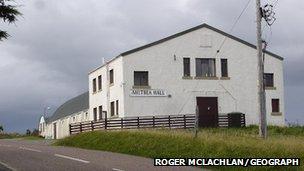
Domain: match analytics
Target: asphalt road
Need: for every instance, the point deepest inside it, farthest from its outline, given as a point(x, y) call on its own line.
point(39, 155)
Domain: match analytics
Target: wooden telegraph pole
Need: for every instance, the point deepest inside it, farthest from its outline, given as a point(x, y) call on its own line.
point(261, 87)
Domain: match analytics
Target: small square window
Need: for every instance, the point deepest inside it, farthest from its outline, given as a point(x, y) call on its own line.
point(268, 80)
point(275, 105)
point(205, 67)
point(141, 78)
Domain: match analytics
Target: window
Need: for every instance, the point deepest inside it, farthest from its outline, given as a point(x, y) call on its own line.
point(94, 85)
point(95, 114)
point(117, 107)
point(224, 67)
point(100, 112)
point(268, 79)
point(112, 108)
point(99, 82)
point(86, 115)
point(205, 67)
point(186, 67)
point(111, 76)
point(141, 78)
point(275, 105)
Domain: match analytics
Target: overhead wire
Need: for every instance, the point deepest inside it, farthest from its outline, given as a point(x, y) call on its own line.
point(220, 47)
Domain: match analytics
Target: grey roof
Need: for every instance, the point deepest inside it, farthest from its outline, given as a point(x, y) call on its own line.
point(74, 105)
point(193, 29)
point(204, 25)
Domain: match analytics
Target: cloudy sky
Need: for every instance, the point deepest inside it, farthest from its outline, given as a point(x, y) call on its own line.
point(56, 43)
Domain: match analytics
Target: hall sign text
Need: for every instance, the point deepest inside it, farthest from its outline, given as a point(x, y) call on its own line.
point(148, 93)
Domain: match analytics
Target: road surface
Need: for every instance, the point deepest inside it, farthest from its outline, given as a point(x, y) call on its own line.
point(40, 155)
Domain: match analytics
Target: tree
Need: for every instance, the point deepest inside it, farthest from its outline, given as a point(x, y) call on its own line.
point(8, 13)
point(28, 132)
point(35, 132)
point(1, 128)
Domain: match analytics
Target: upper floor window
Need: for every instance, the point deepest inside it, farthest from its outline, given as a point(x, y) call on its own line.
point(111, 76)
point(268, 80)
point(275, 103)
point(99, 82)
point(141, 78)
point(224, 67)
point(205, 67)
point(94, 84)
point(186, 67)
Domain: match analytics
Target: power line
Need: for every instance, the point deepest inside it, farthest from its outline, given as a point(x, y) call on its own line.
point(234, 24)
point(231, 29)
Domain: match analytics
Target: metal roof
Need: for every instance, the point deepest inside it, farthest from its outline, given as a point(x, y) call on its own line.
point(74, 105)
point(193, 29)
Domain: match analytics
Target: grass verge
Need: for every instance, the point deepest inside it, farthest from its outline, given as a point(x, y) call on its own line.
point(236, 143)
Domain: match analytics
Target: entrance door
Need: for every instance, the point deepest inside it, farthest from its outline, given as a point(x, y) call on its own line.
point(208, 111)
point(55, 130)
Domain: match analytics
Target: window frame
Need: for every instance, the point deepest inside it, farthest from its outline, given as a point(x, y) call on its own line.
point(117, 108)
point(99, 83)
point(141, 82)
point(208, 75)
point(224, 70)
point(275, 105)
point(187, 67)
point(112, 107)
point(111, 76)
point(100, 112)
point(94, 85)
point(265, 79)
point(95, 114)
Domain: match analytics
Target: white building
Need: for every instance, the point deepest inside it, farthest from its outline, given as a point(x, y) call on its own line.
point(72, 111)
point(191, 68)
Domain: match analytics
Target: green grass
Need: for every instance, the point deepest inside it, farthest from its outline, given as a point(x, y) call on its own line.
point(19, 136)
point(219, 142)
point(9, 136)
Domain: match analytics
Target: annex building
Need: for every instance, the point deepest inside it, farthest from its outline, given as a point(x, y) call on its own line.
point(174, 76)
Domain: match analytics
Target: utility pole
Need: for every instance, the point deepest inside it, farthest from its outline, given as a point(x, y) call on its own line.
point(261, 88)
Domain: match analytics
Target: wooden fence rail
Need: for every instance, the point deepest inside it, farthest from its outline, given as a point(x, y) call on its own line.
point(170, 121)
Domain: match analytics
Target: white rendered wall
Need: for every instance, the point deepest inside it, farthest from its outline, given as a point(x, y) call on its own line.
point(237, 94)
point(116, 90)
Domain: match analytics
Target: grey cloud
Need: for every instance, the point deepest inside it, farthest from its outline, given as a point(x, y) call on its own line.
point(56, 43)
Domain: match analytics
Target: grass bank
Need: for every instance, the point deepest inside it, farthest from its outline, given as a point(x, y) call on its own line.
point(282, 142)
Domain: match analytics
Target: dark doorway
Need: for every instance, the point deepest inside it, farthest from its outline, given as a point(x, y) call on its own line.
point(55, 130)
point(208, 111)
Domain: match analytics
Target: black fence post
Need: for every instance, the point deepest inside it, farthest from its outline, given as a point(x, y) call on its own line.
point(70, 127)
point(80, 127)
point(153, 121)
point(121, 122)
point(185, 122)
point(92, 126)
point(137, 122)
point(106, 123)
point(169, 120)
